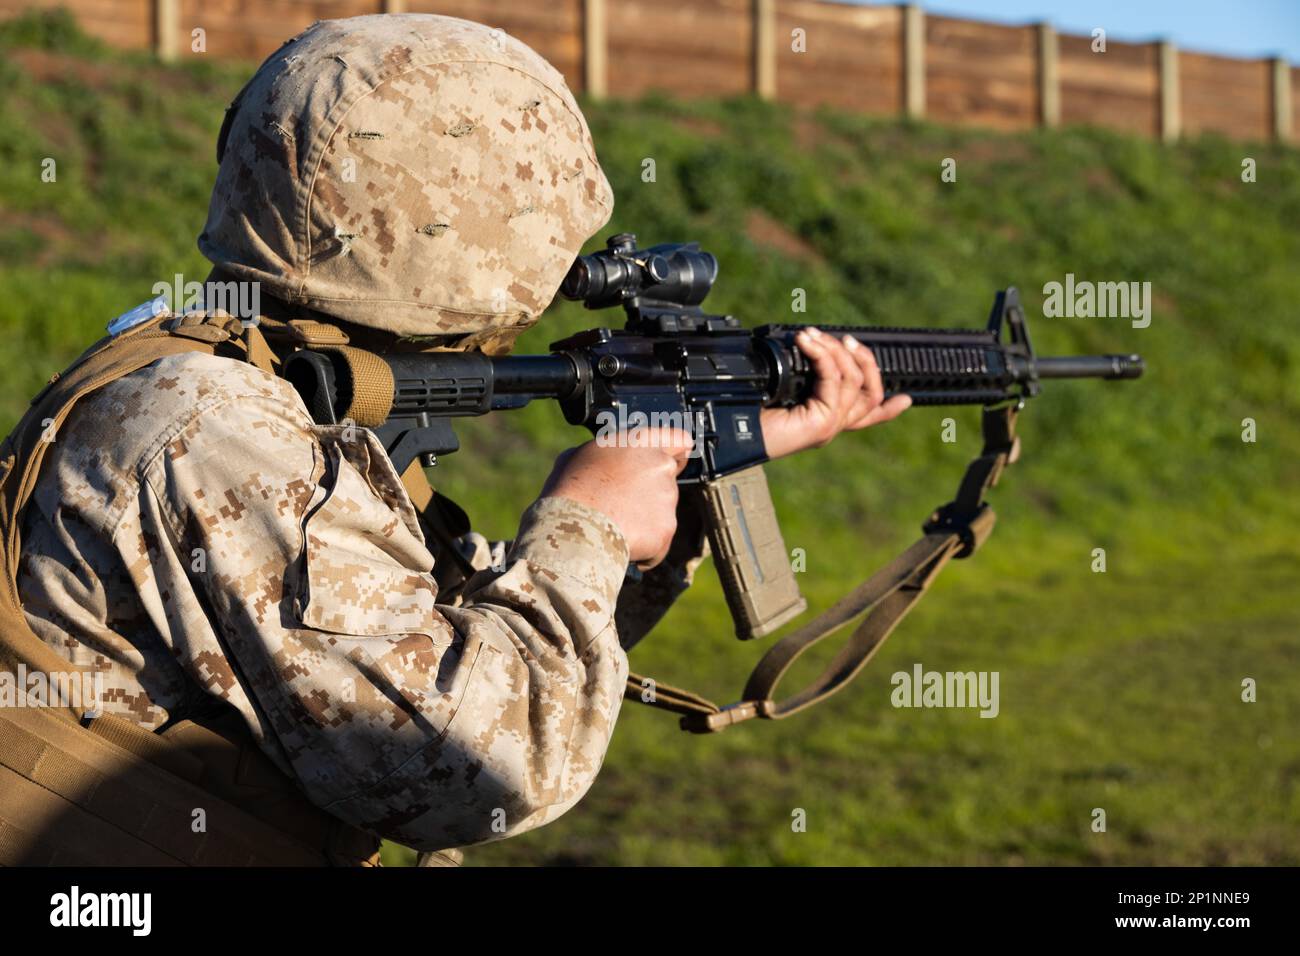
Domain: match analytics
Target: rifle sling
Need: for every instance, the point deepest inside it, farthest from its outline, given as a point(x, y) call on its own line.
point(955, 530)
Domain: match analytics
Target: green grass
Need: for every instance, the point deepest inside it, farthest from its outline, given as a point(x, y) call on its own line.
point(1118, 690)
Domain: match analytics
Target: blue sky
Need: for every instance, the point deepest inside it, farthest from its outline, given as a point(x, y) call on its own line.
point(1244, 28)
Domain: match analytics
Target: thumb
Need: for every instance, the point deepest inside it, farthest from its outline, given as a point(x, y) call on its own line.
point(677, 444)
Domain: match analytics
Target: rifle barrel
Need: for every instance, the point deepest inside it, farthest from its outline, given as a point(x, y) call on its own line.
point(1091, 366)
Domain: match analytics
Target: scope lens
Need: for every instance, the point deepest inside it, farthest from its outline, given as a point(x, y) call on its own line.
point(658, 269)
point(578, 281)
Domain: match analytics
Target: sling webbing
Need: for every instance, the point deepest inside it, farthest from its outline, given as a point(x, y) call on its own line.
point(371, 386)
point(430, 505)
point(954, 531)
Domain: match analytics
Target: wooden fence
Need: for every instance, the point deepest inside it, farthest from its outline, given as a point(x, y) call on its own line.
point(873, 59)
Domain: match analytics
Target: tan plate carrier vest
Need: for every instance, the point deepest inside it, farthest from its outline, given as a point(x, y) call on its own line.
point(78, 790)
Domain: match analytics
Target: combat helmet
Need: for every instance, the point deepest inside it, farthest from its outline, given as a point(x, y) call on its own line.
point(415, 174)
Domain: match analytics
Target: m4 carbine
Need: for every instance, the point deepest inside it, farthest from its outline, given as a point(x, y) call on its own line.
point(673, 364)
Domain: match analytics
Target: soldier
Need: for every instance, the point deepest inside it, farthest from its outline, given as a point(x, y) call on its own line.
point(269, 595)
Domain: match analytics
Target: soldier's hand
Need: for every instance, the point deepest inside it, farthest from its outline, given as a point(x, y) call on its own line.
point(847, 395)
point(632, 482)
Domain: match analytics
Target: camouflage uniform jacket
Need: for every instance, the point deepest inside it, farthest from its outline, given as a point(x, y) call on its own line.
point(195, 535)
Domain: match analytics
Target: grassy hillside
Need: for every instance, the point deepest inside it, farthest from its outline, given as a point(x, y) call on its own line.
point(1118, 690)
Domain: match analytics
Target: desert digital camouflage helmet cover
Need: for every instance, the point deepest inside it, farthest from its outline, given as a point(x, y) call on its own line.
point(418, 174)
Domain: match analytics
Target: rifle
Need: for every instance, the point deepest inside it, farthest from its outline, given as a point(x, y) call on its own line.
point(675, 364)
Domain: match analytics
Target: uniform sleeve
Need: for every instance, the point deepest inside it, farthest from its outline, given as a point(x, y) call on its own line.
point(645, 596)
point(426, 723)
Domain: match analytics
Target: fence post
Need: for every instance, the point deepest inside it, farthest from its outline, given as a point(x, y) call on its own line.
point(765, 49)
point(1171, 109)
point(1281, 100)
point(594, 48)
point(914, 60)
point(166, 29)
point(1049, 76)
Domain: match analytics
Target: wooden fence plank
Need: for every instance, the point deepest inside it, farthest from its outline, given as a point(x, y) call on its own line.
point(880, 59)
